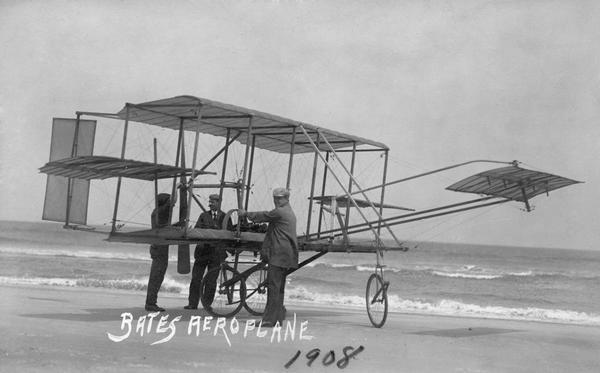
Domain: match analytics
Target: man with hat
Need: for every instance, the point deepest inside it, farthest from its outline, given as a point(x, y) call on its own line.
point(159, 253)
point(207, 256)
point(279, 250)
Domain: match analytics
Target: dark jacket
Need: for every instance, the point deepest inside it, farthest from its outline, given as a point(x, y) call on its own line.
point(280, 244)
point(160, 219)
point(206, 221)
point(160, 216)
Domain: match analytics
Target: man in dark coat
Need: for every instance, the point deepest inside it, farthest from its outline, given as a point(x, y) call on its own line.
point(207, 256)
point(159, 253)
point(279, 250)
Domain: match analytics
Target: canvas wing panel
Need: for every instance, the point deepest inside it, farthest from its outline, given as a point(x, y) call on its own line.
point(101, 167)
point(61, 146)
point(272, 132)
point(514, 183)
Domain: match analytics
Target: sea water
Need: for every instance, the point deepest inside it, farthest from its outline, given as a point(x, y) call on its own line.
point(536, 284)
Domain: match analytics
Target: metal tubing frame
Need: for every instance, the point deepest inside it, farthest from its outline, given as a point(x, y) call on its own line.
point(155, 175)
point(246, 157)
point(224, 167)
point(433, 172)
point(193, 176)
point(434, 215)
point(177, 158)
point(342, 185)
point(98, 114)
point(306, 261)
point(258, 133)
point(385, 166)
point(226, 184)
point(70, 180)
point(184, 206)
point(390, 219)
point(312, 189)
point(223, 149)
point(247, 200)
point(325, 169)
point(364, 195)
point(353, 159)
point(359, 150)
point(123, 147)
point(291, 161)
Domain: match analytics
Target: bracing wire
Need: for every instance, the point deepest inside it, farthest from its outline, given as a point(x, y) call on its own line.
point(109, 143)
point(461, 222)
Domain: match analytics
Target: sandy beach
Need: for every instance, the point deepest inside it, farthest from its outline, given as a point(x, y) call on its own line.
point(55, 329)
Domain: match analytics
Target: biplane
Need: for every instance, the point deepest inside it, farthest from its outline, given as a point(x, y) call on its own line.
point(334, 191)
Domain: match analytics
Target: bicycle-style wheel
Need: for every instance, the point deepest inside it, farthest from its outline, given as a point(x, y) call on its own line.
point(377, 300)
point(222, 291)
point(255, 299)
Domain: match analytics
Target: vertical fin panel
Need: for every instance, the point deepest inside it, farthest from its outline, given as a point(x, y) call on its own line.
point(61, 146)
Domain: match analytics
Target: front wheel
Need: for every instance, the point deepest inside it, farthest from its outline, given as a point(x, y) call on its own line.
point(377, 300)
point(222, 291)
point(255, 300)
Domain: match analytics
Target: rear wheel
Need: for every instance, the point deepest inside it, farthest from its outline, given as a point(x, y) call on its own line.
point(255, 299)
point(222, 291)
point(377, 300)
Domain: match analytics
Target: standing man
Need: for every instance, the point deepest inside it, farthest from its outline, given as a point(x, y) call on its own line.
point(207, 256)
point(279, 250)
point(159, 253)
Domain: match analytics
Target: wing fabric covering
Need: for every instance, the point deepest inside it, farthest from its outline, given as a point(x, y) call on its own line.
point(515, 183)
point(272, 132)
point(102, 167)
point(61, 146)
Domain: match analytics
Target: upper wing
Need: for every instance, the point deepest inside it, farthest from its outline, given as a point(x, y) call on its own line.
point(270, 132)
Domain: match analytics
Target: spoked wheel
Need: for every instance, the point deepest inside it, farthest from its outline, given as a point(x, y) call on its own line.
point(255, 300)
point(220, 295)
point(377, 300)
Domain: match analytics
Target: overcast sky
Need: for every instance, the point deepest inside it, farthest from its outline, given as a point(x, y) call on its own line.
point(439, 82)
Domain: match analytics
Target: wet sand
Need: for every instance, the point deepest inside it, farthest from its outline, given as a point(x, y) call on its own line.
point(55, 329)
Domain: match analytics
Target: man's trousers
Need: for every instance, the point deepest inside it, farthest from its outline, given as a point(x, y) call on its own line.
point(160, 261)
point(206, 258)
point(274, 310)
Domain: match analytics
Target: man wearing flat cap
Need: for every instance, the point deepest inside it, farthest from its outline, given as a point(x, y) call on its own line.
point(279, 250)
point(207, 256)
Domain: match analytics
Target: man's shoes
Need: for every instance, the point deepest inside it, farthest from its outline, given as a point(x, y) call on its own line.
point(190, 307)
point(154, 308)
point(267, 324)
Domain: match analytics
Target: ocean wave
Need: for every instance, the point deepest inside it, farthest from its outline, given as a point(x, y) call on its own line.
point(38, 281)
point(90, 254)
point(296, 293)
point(353, 267)
point(471, 272)
point(455, 308)
point(467, 275)
point(169, 285)
point(482, 275)
point(450, 308)
point(467, 271)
